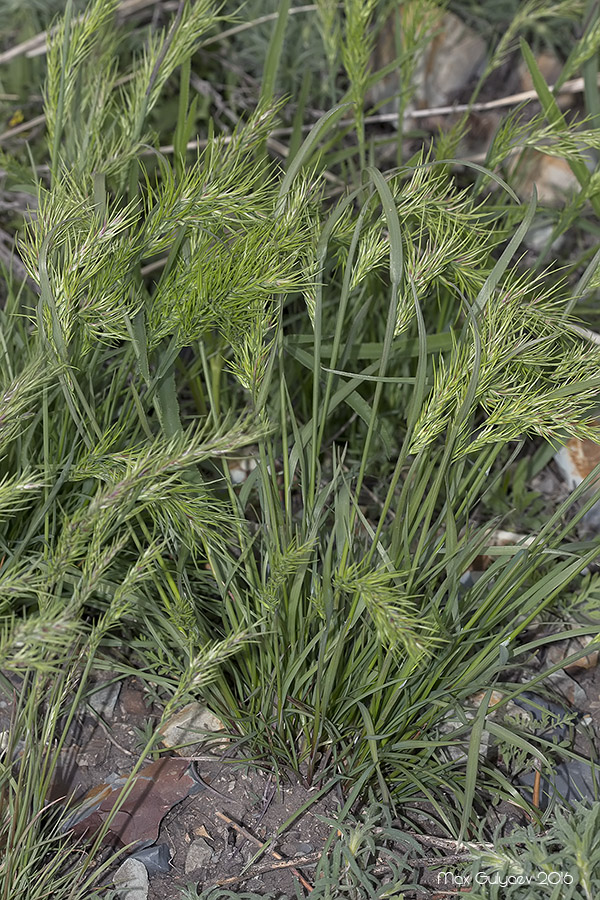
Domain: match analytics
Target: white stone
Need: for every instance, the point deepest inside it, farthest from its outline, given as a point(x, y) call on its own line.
point(551, 176)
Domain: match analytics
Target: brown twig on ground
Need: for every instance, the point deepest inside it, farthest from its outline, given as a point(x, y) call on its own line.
point(446, 844)
point(309, 860)
point(574, 86)
point(254, 840)
point(24, 126)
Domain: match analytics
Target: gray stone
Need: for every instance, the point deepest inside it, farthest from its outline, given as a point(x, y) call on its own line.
point(94, 752)
point(570, 782)
point(567, 687)
point(296, 848)
point(104, 700)
point(198, 856)
point(156, 858)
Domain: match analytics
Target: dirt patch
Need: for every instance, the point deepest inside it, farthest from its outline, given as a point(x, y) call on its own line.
point(202, 818)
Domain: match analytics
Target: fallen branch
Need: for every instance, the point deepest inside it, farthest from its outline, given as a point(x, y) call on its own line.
point(309, 860)
point(431, 840)
point(250, 837)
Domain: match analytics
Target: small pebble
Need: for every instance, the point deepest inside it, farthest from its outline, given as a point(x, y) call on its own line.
point(198, 856)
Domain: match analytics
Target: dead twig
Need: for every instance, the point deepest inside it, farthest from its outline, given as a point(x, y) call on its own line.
point(250, 837)
point(24, 126)
point(431, 840)
point(309, 860)
point(575, 86)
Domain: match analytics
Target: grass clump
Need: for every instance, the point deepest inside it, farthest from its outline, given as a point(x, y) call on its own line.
point(374, 353)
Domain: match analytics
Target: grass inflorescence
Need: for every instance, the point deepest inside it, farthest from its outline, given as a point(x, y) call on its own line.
point(372, 338)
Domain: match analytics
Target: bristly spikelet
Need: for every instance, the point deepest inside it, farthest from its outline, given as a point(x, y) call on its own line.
point(397, 620)
point(530, 369)
point(18, 492)
point(329, 26)
point(357, 46)
point(420, 21)
point(149, 481)
point(73, 45)
point(92, 126)
point(86, 258)
point(446, 244)
point(19, 399)
point(283, 567)
point(527, 14)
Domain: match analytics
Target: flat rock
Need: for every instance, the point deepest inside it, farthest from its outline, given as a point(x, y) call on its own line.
point(104, 700)
point(189, 726)
point(450, 60)
point(296, 848)
point(576, 460)
point(241, 468)
point(568, 688)
point(561, 650)
point(551, 67)
point(156, 858)
point(132, 700)
point(153, 791)
point(571, 782)
point(94, 752)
